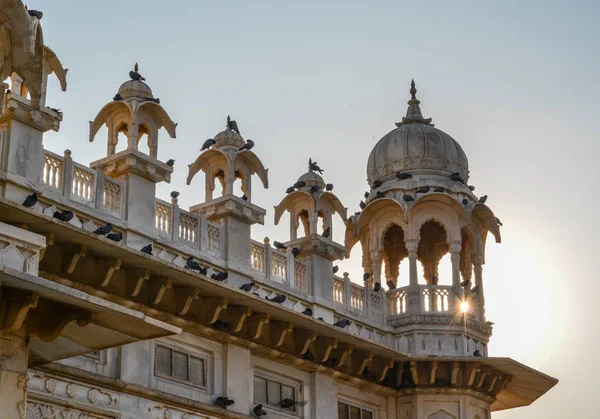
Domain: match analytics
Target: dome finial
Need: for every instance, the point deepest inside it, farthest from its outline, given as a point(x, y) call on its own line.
point(135, 67)
point(413, 89)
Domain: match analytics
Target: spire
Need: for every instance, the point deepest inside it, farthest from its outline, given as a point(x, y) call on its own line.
point(135, 68)
point(413, 113)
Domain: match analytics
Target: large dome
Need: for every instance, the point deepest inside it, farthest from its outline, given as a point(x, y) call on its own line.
point(416, 146)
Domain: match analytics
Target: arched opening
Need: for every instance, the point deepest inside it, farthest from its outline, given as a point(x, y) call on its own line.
point(303, 222)
point(322, 223)
point(394, 251)
point(219, 184)
point(143, 139)
point(237, 185)
point(432, 247)
point(121, 140)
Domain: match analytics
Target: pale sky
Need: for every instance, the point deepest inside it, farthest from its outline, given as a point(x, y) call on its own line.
point(515, 83)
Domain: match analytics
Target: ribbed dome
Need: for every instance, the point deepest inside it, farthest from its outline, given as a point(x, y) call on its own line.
point(416, 146)
point(311, 179)
point(135, 88)
point(229, 137)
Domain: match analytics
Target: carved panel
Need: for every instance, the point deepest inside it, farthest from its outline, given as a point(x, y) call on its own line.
point(46, 410)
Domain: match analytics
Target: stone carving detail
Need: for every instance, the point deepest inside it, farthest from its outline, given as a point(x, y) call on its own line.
point(93, 395)
point(50, 385)
point(72, 390)
point(39, 410)
point(11, 257)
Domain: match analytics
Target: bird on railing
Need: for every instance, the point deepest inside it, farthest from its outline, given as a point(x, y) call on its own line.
point(391, 285)
point(407, 198)
point(35, 13)
point(244, 197)
point(224, 402)
point(191, 264)
point(342, 323)
point(465, 202)
point(290, 190)
point(377, 287)
point(308, 311)
point(483, 199)
point(377, 184)
point(117, 97)
point(327, 232)
point(104, 230)
point(31, 200)
point(248, 146)
point(116, 237)
point(366, 276)
point(315, 189)
point(207, 144)
point(329, 187)
point(299, 184)
point(315, 167)
point(64, 215)
point(471, 187)
point(134, 75)
point(219, 276)
point(362, 205)
point(423, 189)
point(336, 269)
point(456, 177)
point(439, 190)
point(379, 195)
point(258, 411)
point(477, 353)
point(170, 162)
point(232, 125)
point(279, 299)
point(366, 195)
point(402, 175)
point(147, 249)
point(295, 252)
point(247, 287)
point(279, 245)
point(466, 283)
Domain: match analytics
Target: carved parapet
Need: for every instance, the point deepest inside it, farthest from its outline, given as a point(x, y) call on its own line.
point(133, 161)
point(20, 249)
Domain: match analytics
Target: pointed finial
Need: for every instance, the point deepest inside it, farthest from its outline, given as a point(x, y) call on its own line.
point(309, 164)
point(228, 122)
point(413, 89)
point(135, 67)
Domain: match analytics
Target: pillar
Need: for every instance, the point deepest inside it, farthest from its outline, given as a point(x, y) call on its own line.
point(478, 271)
point(414, 292)
point(13, 376)
point(455, 259)
point(239, 378)
point(324, 397)
point(376, 266)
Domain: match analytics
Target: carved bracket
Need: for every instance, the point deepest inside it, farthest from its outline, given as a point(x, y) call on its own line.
point(114, 267)
point(340, 356)
point(140, 281)
point(322, 347)
point(49, 242)
point(278, 331)
point(302, 340)
point(381, 366)
point(48, 327)
point(18, 304)
point(360, 360)
point(184, 296)
point(79, 254)
point(256, 323)
point(236, 317)
point(161, 290)
point(211, 307)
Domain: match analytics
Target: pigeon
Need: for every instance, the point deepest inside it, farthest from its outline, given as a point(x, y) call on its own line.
point(456, 177)
point(116, 237)
point(224, 402)
point(308, 311)
point(232, 125)
point(483, 199)
point(336, 269)
point(499, 222)
point(442, 190)
point(219, 276)
point(471, 187)
point(190, 263)
point(174, 194)
point(220, 324)
point(245, 197)
point(362, 205)
point(255, 293)
point(35, 13)
point(287, 403)
point(402, 175)
point(247, 287)
point(152, 99)
point(391, 285)
point(248, 146)
point(279, 245)
point(465, 201)
point(377, 287)
point(295, 252)
point(343, 323)
point(104, 230)
point(366, 195)
point(315, 189)
point(379, 195)
point(31, 200)
point(207, 144)
point(423, 189)
point(147, 249)
point(117, 97)
point(475, 289)
point(407, 198)
point(477, 353)
point(258, 411)
point(321, 318)
point(329, 187)
point(58, 111)
point(7, 91)
point(64, 215)
point(279, 299)
point(357, 213)
point(299, 184)
point(315, 167)
point(327, 232)
point(466, 283)
point(170, 162)
point(290, 189)
point(366, 276)
point(134, 75)
point(376, 184)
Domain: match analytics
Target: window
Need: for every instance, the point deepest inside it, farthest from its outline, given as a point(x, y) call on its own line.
point(179, 366)
point(346, 411)
point(270, 393)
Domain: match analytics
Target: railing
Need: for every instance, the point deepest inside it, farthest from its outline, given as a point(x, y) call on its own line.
point(398, 301)
point(84, 184)
point(301, 279)
point(111, 197)
point(436, 298)
point(164, 217)
point(278, 266)
point(53, 170)
point(258, 256)
point(213, 234)
point(188, 227)
point(338, 290)
point(357, 298)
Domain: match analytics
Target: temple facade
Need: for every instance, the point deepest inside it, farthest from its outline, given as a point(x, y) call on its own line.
point(115, 303)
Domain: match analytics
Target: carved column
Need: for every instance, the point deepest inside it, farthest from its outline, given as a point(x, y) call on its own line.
point(13, 376)
point(455, 259)
point(414, 297)
point(375, 266)
point(478, 271)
